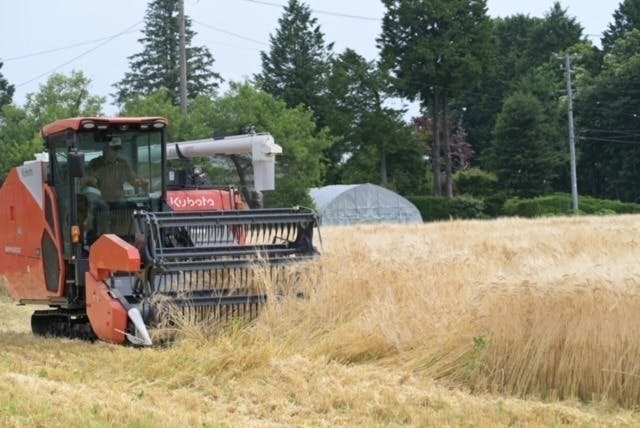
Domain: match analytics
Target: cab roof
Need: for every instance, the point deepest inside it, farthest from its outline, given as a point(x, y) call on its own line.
point(75, 123)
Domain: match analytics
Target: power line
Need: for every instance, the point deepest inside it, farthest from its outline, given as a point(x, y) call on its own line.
point(107, 40)
point(231, 33)
point(233, 45)
point(607, 140)
point(625, 132)
point(604, 110)
point(75, 45)
point(89, 42)
point(320, 12)
point(602, 141)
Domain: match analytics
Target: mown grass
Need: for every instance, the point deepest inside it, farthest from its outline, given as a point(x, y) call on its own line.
point(500, 323)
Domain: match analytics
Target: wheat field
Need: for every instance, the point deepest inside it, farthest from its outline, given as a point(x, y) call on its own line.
point(507, 322)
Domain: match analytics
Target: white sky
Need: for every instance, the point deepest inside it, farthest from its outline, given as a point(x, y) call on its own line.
point(29, 27)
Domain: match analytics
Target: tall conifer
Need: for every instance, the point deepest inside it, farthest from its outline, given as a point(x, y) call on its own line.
point(158, 66)
point(625, 18)
point(296, 67)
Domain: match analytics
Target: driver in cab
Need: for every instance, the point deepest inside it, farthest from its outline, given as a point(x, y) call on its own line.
point(109, 172)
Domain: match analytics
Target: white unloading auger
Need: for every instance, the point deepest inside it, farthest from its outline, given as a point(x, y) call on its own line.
point(262, 148)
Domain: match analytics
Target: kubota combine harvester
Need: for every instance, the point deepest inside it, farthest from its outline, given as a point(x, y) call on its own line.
point(102, 231)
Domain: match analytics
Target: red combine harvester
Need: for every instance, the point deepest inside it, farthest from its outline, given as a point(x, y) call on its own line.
point(102, 231)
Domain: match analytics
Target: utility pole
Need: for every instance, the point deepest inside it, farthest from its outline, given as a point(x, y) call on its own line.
point(572, 139)
point(183, 61)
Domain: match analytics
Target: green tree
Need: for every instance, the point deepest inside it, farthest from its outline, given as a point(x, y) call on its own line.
point(296, 67)
point(158, 103)
point(63, 97)
point(556, 32)
point(158, 66)
point(520, 44)
point(59, 98)
point(625, 18)
point(436, 50)
point(6, 90)
point(299, 168)
point(609, 162)
point(19, 138)
point(371, 139)
point(525, 154)
point(198, 124)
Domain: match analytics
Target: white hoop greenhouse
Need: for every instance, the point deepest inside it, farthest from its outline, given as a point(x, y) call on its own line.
point(362, 203)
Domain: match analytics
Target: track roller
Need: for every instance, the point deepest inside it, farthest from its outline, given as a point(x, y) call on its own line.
point(60, 323)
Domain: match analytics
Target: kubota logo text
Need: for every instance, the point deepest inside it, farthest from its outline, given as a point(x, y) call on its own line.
point(183, 201)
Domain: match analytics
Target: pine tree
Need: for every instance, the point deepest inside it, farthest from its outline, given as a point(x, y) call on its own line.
point(6, 90)
point(526, 151)
point(158, 66)
point(625, 18)
point(296, 68)
point(436, 50)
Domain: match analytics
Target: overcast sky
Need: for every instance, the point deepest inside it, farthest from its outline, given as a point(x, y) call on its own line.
point(39, 37)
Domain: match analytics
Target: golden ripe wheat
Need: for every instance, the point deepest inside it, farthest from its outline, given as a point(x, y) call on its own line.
point(504, 322)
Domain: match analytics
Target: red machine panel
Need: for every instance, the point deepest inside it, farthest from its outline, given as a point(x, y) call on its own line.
point(30, 253)
point(108, 317)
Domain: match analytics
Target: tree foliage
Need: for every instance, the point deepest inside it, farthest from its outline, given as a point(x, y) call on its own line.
point(158, 65)
point(461, 151)
point(19, 138)
point(296, 67)
point(520, 44)
point(436, 49)
point(429, 43)
point(625, 18)
point(161, 103)
point(6, 90)
point(526, 151)
point(373, 142)
point(606, 112)
point(60, 97)
point(554, 33)
point(476, 182)
point(63, 97)
point(299, 168)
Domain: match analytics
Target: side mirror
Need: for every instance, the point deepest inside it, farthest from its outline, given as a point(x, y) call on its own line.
point(76, 164)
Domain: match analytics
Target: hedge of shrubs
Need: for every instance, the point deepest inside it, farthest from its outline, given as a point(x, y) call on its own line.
point(561, 204)
point(475, 182)
point(434, 208)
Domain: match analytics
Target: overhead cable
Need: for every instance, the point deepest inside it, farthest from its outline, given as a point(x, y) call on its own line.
point(231, 33)
point(320, 12)
point(107, 40)
point(75, 45)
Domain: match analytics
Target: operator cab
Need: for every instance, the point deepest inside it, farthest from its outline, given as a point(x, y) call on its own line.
point(102, 170)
